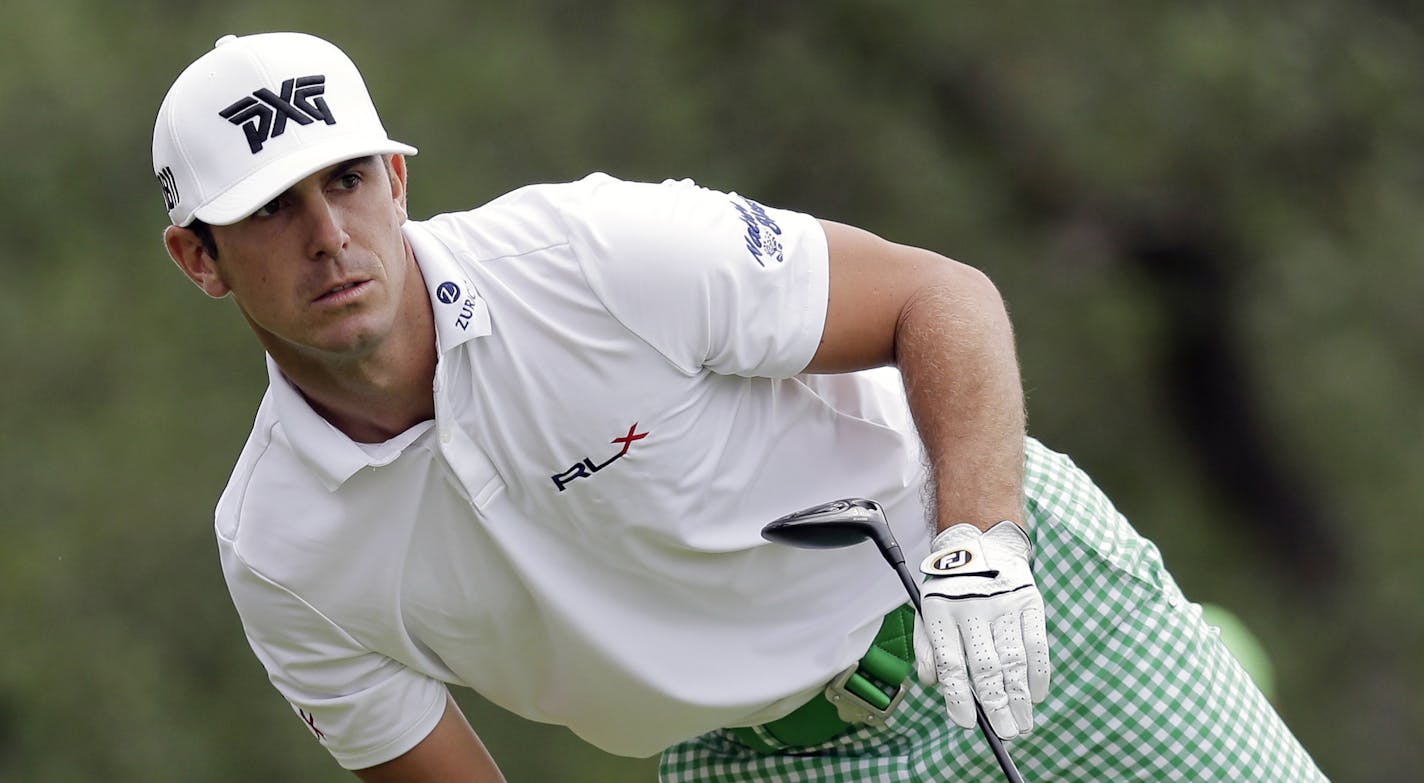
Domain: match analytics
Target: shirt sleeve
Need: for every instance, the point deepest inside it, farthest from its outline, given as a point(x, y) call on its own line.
point(709, 279)
point(364, 708)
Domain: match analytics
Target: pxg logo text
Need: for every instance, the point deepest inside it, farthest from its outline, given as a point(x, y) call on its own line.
point(263, 115)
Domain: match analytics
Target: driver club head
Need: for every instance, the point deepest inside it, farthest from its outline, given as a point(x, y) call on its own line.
point(847, 522)
point(843, 523)
point(833, 525)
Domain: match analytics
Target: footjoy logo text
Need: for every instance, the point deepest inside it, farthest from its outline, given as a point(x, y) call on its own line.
point(586, 467)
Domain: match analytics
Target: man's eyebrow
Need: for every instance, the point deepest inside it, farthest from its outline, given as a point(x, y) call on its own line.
point(351, 164)
point(337, 171)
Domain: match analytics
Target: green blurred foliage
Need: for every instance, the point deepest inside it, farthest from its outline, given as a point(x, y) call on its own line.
point(1040, 141)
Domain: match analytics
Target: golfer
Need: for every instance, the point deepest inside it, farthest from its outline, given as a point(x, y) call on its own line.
point(529, 449)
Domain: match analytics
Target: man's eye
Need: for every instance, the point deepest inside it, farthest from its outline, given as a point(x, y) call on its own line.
point(269, 208)
point(350, 180)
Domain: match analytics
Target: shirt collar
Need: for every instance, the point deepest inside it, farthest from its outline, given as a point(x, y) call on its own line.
point(460, 316)
point(323, 448)
point(460, 312)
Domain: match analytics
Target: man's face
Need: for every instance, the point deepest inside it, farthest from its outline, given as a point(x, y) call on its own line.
point(320, 270)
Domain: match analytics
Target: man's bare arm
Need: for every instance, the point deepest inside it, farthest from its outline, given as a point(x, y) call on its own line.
point(451, 753)
point(944, 325)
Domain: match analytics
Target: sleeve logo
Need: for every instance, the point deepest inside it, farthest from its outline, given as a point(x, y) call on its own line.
point(763, 234)
point(310, 720)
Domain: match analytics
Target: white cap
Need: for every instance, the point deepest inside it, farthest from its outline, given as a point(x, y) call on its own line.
point(255, 115)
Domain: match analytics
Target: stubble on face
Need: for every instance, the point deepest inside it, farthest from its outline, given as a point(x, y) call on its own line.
point(320, 272)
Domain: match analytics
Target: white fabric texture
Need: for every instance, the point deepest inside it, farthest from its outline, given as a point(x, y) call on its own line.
point(576, 536)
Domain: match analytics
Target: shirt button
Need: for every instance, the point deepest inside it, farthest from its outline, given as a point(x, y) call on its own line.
point(445, 436)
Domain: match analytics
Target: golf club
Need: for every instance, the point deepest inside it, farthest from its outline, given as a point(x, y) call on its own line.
point(843, 523)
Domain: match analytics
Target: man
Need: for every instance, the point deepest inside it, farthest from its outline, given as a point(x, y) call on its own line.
point(529, 449)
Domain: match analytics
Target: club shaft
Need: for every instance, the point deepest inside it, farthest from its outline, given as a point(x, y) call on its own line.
point(1001, 753)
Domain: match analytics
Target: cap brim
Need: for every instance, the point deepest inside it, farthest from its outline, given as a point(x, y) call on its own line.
point(249, 194)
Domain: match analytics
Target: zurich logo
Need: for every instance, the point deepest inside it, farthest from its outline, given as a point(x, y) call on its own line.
point(448, 292)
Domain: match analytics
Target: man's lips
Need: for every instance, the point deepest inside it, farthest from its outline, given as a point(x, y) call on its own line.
point(342, 292)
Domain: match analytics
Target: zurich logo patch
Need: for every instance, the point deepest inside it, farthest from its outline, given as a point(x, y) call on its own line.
point(448, 293)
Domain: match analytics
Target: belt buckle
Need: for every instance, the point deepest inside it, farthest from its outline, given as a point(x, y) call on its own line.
point(852, 707)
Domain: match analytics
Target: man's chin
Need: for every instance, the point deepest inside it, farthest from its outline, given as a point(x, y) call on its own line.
point(353, 338)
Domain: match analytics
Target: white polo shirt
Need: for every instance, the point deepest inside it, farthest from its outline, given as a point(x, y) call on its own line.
point(577, 534)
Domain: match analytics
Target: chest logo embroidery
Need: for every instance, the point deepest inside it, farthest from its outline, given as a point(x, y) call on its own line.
point(586, 467)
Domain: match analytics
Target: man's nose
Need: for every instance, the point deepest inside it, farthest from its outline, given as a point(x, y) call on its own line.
point(326, 231)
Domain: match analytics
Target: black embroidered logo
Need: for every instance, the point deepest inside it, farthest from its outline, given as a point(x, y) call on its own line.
point(586, 468)
point(169, 185)
point(264, 114)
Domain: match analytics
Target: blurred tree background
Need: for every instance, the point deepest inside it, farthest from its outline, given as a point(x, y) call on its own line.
point(1203, 215)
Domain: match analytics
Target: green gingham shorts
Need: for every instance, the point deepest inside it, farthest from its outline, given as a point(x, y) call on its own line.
point(1142, 689)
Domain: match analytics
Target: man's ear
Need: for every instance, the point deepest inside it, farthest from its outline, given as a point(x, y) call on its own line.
point(396, 171)
point(187, 251)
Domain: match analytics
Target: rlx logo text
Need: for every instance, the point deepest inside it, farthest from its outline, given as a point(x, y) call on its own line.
point(586, 468)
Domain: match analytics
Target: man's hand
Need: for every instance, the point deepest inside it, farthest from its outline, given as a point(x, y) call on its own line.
point(983, 623)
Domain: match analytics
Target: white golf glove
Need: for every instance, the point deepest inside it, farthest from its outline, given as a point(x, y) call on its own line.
point(983, 624)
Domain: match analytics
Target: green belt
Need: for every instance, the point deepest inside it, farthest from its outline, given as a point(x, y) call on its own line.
point(865, 693)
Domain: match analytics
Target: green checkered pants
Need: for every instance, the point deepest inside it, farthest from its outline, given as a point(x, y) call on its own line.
point(1143, 689)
